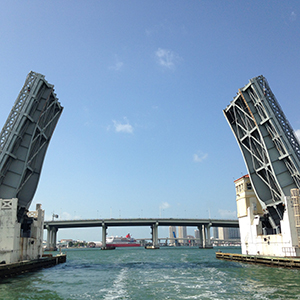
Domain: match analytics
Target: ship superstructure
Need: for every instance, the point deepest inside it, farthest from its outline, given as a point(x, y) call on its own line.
point(119, 241)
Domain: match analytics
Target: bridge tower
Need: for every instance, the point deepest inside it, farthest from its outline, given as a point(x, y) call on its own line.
point(23, 143)
point(272, 155)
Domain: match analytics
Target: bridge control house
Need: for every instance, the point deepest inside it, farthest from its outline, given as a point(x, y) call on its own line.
point(254, 235)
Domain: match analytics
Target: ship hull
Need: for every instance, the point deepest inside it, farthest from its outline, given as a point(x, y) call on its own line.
point(122, 245)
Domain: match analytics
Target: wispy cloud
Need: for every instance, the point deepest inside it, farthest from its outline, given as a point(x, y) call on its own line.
point(117, 66)
point(199, 157)
point(227, 213)
point(123, 127)
point(66, 216)
point(293, 16)
point(87, 117)
point(166, 58)
point(164, 205)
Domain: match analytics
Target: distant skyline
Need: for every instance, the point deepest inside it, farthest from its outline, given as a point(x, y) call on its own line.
point(143, 85)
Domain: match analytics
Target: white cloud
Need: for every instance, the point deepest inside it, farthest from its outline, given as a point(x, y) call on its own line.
point(87, 117)
point(164, 205)
point(297, 132)
point(125, 127)
point(227, 214)
point(66, 216)
point(166, 58)
point(62, 216)
point(293, 16)
point(200, 157)
point(117, 66)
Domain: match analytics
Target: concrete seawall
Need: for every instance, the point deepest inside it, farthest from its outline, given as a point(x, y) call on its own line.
point(9, 270)
point(284, 262)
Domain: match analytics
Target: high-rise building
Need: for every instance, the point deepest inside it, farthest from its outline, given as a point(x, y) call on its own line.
point(182, 234)
point(216, 232)
point(234, 233)
point(222, 233)
point(197, 236)
point(228, 233)
point(172, 235)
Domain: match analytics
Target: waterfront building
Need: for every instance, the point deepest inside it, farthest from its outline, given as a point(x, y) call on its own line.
point(234, 233)
point(182, 235)
point(197, 236)
point(190, 240)
point(216, 232)
point(172, 235)
point(225, 233)
point(222, 233)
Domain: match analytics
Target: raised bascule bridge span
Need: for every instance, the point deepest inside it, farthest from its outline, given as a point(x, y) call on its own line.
point(203, 225)
point(24, 140)
point(267, 198)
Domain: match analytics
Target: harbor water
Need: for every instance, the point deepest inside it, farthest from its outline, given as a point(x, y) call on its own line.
point(166, 273)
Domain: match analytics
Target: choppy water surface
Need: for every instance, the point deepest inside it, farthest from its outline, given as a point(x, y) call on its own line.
point(167, 273)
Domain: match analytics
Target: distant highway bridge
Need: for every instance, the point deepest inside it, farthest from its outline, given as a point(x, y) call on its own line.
point(202, 224)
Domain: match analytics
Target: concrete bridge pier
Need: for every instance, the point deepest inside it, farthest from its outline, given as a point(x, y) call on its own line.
point(54, 237)
point(51, 238)
point(104, 235)
point(208, 244)
point(48, 237)
point(154, 233)
point(206, 236)
point(200, 236)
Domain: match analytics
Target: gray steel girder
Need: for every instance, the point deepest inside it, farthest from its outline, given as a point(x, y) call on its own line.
point(269, 146)
point(25, 137)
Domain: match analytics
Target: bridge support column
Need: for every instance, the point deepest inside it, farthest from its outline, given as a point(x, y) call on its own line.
point(200, 236)
point(206, 236)
point(48, 237)
point(104, 235)
point(154, 233)
point(53, 234)
point(208, 244)
point(203, 236)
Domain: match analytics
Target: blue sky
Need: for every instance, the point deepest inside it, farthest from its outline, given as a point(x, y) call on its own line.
point(143, 85)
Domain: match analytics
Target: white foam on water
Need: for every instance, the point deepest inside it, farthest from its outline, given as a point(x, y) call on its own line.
point(118, 289)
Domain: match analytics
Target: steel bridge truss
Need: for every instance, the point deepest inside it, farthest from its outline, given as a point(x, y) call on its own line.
point(24, 140)
point(270, 148)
